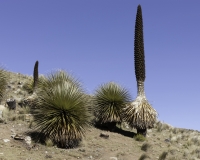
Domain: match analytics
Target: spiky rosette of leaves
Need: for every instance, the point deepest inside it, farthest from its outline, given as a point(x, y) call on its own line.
point(62, 113)
point(139, 56)
point(139, 114)
point(35, 74)
point(57, 77)
point(3, 81)
point(109, 101)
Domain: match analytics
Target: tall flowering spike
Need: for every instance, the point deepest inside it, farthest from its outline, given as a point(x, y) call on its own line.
point(35, 74)
point(139, 47)
point(140, 114)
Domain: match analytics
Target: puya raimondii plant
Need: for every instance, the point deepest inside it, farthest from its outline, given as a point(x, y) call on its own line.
point(31, 84)
point(109, 101)
point(139, 114)
point(62, 112)
point(35, 75)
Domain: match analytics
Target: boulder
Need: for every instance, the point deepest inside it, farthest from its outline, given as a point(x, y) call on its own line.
point(27, 140)
point(1, 112)
point(11, 104)
point(2, 107)
point(104, 135)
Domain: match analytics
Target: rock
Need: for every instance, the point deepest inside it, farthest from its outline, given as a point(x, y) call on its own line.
point(104, 135)
point(9, 86)
point(11, 104)
point(2, 107)
point(13, 133)
point(82, 150)
point(27, 140)
point(18, 137)
point(113, 158)
point(6, 140)
point(1, 113)
point(167, 140)
point(48, 156)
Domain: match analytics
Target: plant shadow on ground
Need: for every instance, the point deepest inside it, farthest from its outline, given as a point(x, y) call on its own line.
point(124, 132)
point(36, 136)
point(115, 129)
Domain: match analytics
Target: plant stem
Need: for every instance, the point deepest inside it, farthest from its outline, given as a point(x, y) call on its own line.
point(140, 89)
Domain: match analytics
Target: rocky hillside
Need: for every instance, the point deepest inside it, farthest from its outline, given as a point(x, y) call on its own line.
point(163, 142)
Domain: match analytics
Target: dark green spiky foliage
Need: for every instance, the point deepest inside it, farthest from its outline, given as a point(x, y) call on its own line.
point(3, 82)
point(139, 47)
point(62, 113)
point(109, 101)
point(35, 75)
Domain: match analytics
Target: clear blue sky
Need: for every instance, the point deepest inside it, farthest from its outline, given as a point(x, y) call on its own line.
point(93, 40)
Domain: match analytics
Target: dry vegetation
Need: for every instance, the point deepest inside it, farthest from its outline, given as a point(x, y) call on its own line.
point(163, 142)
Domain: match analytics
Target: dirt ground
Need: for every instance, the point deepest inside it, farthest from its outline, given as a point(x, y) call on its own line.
point(118, 146)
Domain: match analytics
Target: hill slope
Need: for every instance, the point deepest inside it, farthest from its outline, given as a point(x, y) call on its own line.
point(162, 142)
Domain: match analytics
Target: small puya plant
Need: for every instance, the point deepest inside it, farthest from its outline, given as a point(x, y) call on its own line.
point(139, 114)
point(35, 75)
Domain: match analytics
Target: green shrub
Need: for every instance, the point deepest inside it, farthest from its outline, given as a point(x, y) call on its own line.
point(145, 146)
point(49, 143)
point(140, 138)
point(61, 113)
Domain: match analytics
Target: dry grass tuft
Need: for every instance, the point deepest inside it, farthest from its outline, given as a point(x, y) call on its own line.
point(140, 138)
point(49, 143)
point(9, 115)
point(173, 158)
point(162, 126)
point(163, 155)
point(145, 147)
point(143, 156)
